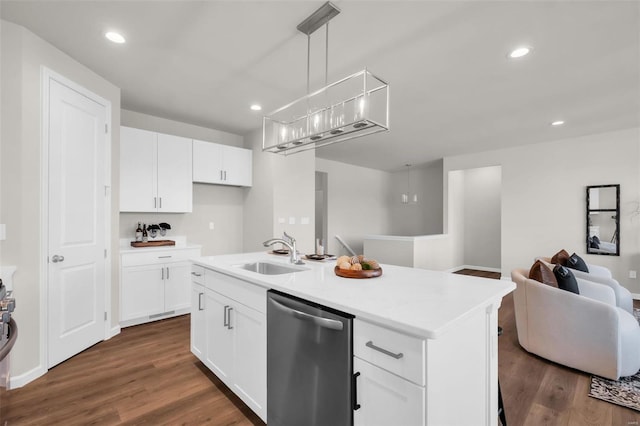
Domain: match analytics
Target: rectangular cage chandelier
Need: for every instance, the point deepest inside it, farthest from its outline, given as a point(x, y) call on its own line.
point(354, 106)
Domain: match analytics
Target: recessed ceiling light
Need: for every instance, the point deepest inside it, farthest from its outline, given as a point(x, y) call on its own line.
point(115, 37)
point(557, 123)
point(255, 107)
point(519, 52)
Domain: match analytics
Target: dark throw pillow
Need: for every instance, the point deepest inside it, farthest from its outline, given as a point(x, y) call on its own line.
point(560, 257)
point(594, 243)
point(565, 278)
point(576, 262)
point(541, 273)
point(596, 239)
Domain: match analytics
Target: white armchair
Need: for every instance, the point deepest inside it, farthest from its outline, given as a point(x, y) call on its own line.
point(586, 331)
point(602, 275)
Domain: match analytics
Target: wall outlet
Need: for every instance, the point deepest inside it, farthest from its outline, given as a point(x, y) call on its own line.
point(292, 220)
point(281, 220)
point(632, 274)
point(212, 226)
point(304, 221)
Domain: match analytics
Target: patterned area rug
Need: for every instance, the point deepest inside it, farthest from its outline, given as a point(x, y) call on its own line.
point(625, 392)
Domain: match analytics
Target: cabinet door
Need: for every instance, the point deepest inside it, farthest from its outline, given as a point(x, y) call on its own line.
point(138, 161)
point(386, 399)
point(198, 321)
point(250, 356)
point(176, 286)
point(142, 291)
point(175, 187)
point(207, 162)
point(219, 335)
point(237, 166)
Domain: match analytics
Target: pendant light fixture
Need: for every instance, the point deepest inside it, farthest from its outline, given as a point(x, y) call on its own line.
point(355, 106)
point(407, 197)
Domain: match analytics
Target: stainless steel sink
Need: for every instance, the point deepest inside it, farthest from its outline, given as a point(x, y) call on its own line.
point(268, 268)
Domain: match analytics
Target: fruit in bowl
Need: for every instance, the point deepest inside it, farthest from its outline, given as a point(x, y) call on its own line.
point(356, 263)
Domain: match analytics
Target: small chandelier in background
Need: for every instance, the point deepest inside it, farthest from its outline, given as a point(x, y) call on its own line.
point(355, 106)
point(408, 197)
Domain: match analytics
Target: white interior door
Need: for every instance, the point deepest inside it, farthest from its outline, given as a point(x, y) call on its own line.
point(76, 222)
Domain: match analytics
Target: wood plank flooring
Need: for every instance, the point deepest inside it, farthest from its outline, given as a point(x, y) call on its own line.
point(538, 392)
point(147, 376)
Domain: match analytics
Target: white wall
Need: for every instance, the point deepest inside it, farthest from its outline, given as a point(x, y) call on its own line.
point(481, 229)
point(222, 205)
point(23, 54)
point(425, 217)
point(283, 188)
point(544, 202)
point(358, 203)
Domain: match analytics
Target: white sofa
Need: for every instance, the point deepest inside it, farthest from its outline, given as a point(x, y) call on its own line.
point(585, 331)
point(602, 275)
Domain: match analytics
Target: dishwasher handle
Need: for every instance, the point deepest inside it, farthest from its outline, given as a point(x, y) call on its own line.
point(319, 321)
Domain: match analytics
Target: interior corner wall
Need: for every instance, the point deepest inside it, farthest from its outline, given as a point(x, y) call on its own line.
point(23, 56)
point(283, 191)
point(358, 204)
point(482, 187)
point(544, 202)
point(220, 204)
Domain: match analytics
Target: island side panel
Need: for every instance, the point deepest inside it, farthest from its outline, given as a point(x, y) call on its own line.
point(462, 371)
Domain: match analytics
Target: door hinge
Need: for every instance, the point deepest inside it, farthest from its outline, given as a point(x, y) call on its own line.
point(105, 315)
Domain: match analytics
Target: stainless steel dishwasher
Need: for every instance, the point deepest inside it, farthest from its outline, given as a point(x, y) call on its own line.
point(310, 377)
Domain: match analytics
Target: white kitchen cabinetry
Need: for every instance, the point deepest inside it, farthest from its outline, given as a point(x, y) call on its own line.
point(155, 172)
point(198, 318)
point(235, 334)
point(155, 284)
point(221, 164)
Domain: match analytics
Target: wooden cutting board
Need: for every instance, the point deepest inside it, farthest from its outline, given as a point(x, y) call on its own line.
point(155, 243)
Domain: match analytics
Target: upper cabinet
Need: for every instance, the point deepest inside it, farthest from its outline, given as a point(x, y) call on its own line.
point(155, 172)
point(221, 164)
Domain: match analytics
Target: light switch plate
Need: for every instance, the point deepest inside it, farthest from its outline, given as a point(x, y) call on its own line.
point(281, 220)
point(304, 221)
point(292, 220)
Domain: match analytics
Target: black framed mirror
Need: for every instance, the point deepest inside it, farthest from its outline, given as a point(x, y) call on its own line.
point(603, 220)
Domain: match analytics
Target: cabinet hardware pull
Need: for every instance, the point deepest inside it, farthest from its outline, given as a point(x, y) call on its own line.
point(229, 321)
point(162, 273)
point(160, 202)
point(355, 404)
point(226, 321)
point(200, 308)
point(370, 344)
point(164, 257)
point(196, 274)
point(167, 272)
point(221, 178)
point(155, 202)
point(225, 175)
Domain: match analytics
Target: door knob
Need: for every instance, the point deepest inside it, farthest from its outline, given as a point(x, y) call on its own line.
point(57, 258)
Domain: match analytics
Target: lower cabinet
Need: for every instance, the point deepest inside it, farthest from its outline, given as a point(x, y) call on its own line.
point(154, 285)
point(228, 334)
point(386, 399)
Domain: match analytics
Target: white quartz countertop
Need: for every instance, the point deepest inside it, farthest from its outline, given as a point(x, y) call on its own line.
point(417, 301)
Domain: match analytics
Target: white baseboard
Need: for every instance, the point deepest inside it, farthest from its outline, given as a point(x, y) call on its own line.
point(636, 296)
point(114, 332)
point(16, 382)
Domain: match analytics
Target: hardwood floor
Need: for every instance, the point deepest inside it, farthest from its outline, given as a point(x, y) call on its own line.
point(144, 376)
point(538, 392)
point(147, 376)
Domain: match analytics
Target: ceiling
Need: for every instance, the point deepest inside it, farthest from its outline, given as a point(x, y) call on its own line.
point(452, 88)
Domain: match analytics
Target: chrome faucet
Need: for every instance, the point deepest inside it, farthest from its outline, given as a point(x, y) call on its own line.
point(290, 242)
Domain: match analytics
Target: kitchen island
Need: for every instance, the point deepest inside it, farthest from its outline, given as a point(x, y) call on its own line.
point(444, 325)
